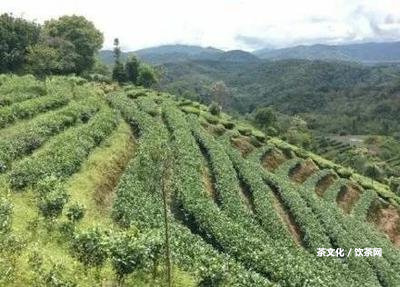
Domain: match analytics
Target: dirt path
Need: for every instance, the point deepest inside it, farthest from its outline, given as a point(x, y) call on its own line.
point(387, 220)
point(324, 184)
point(302, 171)
point(288, 220)
point(347, 197)
point(273, 159)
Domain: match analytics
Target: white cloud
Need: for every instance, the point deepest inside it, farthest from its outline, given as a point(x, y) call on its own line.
point(226, 24)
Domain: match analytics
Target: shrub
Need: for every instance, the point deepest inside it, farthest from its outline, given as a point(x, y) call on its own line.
point(259, 135)
point(76, 212)
point(211, 119)
point(227, 124)
point(129, 253)
point(190, 110)
point(51, 205)
point(135, 95)
point(185, 103)
point(244, 131)
point(214, 109)
point(344, 172)
point(89, 247)
point(272, 131)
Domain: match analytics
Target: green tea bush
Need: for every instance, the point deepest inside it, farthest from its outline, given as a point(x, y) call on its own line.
point(227, 124)
point(30, 108)
point(190, 110)
point(60, 159)
point(90, 248)
point(244, 131)
point(211, 119)
point(75, 212)
point(52, 203)
point(33, 134)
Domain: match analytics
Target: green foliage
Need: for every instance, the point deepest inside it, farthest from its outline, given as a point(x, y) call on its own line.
point(75, 212)
point(214, 109)
point(259, 135)
point(90, 248)
point(33, 134)
point(360, 210)
point(52, 56)
point(5, 216)
point(330, 96)
point(395, 185)
point(55, 277)
point(16, 35)
point(52, 197)
point(228, 124)
point(52, 204)
point(147, 76)
point(373, 171)
point(265, 117)
point(82, 34)
point(190, 110)
point(119, 73)
point(246, 131)
point(29, 108)
point(129, 253)
point(132, 69)
point(62, 160)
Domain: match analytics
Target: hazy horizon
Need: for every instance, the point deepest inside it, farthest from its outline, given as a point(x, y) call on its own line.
point(226, 24)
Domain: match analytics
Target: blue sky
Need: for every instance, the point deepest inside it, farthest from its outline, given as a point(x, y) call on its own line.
point(226, 24)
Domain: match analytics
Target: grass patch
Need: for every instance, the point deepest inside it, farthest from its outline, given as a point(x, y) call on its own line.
point(93, 186)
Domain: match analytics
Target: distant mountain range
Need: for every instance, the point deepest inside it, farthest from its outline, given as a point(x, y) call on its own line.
point(364, 53)
point(178, 53)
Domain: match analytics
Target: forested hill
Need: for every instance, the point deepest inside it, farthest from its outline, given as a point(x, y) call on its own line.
point(333, 96)
point(369, 53)
point(365, 52)
point(181, 53)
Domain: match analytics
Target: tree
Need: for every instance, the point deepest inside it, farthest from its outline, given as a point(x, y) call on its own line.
point(373, 171)
point(118, 72)
point(83, 35)
point(265, 117)
point(52, 56)
point(16, 35)
point(147, 76)
point(220, 93)
point(214, 109)
point(132, 69)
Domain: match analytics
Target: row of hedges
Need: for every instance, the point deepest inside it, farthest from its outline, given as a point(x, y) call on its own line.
point(347, 232)
point(63, 155)
point(140, 203)
point(264, 256)
point(30, 108)
point(31, 135)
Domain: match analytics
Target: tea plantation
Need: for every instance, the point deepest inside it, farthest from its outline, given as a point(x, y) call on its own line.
point(93, 176)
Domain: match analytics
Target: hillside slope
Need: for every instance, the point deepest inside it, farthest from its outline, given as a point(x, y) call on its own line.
point(332, 96)
point(84, 186)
